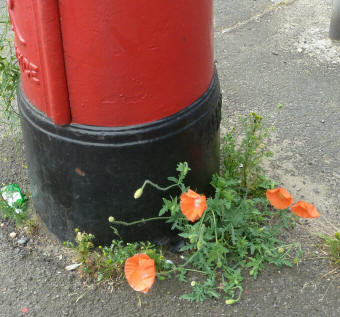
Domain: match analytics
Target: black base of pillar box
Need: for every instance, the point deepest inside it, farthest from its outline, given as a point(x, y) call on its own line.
point(80, 175)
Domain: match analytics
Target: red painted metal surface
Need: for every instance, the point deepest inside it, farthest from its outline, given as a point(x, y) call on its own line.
point(38, 48)
point(135, 61)
point(127, 62)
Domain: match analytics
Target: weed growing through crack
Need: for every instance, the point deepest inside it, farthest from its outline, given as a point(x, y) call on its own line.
point(243, 162)
point(9, 74)
point(32, 226)
point(9, 79)
point(227, 236)
point(19, 216)
point(108, 262)
point(332, 246)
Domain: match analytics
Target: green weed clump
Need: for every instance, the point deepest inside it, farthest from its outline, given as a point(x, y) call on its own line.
point(17, 213)
point(9, 74)
point(108, 262)
point(332, 244)
point(236, 232)
point(243, 157)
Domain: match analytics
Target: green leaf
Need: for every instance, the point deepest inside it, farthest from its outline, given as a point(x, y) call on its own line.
point(163, 210)
point(189, 296)
point(213, 293)
point(173, 179)
point(227, 205)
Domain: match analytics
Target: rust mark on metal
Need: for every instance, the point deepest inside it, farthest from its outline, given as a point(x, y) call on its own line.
point(79, 171)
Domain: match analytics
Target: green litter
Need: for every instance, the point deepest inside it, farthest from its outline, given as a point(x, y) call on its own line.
point(13, 197)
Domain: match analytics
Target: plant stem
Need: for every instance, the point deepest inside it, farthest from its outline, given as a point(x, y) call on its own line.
point(157, 186)
point(197, 271)
point(245, 165)
point(139, 221)
point(183, 265)
point(189, 260)
point(215, 227)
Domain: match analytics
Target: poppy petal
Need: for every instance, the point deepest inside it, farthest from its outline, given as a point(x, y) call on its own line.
point(140, 272)
point(279, 197)
point(305, 210)
point(193, 205)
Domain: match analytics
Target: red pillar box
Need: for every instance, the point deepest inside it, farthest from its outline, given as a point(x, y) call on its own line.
point(112, 93)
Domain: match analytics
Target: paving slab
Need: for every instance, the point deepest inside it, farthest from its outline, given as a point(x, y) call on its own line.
point(231, 12)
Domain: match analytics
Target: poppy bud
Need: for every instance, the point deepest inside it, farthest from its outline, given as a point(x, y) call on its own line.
point(111, 219)
point(186, 168)
point(193, 283)
point(230, 301)
point(138, 193)
point(79, 236)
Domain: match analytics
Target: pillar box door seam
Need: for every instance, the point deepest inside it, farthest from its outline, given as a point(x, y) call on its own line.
point(39, 50)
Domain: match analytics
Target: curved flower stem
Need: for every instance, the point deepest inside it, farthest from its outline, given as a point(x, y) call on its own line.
point(157, 186)
point(139, 221)
point(239, 294)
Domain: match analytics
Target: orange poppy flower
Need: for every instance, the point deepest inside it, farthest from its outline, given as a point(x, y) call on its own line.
point(280, 198)
point(140, 272)
point(193, 205)
point(305, 210)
